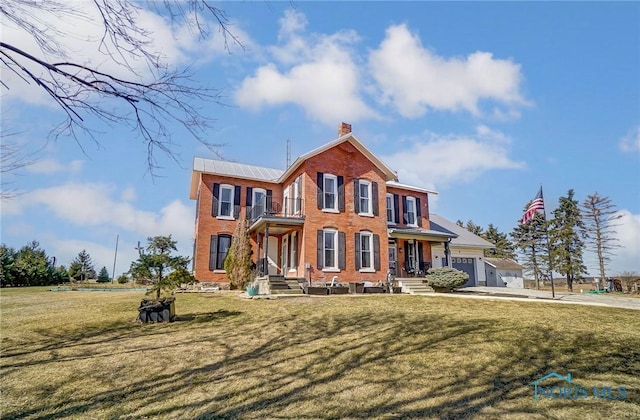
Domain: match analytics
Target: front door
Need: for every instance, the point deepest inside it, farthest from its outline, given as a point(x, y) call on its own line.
point(272, 255)
point(393, 259)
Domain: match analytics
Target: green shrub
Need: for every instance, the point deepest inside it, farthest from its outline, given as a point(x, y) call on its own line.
point(123, 279)
point(446, 277)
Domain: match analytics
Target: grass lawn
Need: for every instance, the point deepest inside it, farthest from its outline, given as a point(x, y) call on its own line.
point(81, 355)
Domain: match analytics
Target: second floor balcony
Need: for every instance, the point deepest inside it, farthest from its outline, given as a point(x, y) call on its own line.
point(276, 207)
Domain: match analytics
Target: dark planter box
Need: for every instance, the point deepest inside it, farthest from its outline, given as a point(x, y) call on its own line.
point(397, 290)
point(317, 291)
point(163, 310)
point(373, 290)
point(356, 287)
point(339, 290)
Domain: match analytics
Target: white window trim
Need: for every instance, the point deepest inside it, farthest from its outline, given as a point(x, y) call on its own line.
point(297, 193)
point(333, 209)
point(369, 212)
point(285, 252)
point(393, 210)
point(415, 212)
point(334, 267)
point(285, 199)
point(294, 235)
point(370, 237)
point(231, 199)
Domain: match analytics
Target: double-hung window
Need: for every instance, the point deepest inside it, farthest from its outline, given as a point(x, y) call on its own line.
point(390, 209)
point(330, 196)
point(330, 249)
point(366, 251)
point(365, 197)
point(225, 202)
point(411, 211)
point(219, 248)
point(297, 195)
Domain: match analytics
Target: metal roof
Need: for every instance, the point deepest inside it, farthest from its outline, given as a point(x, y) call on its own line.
point(237, 170)
point(409, 187)
point(464, 239)
point(503, 263)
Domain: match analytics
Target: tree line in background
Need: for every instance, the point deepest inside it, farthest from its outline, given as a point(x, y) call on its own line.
point(31, 266)
point(560, 240)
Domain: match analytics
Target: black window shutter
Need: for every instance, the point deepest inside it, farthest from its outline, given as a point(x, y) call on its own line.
point(358, 262)
point(249, 202)
point(376, 252)
point(236, 201)
point(405, 219)
point(356, 195)
point(320, 260)
point(396, 208)
point(269, 204)
point(340, 193)
point(320, 181)
point(342, 252)
point(374, 198)
point(214, 203)
point(418, 212)
point(249, 199)
point(406, 252)
point(213, 252)
point(420, 257)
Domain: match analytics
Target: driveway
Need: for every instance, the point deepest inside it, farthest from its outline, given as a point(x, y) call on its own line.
point(614, 301)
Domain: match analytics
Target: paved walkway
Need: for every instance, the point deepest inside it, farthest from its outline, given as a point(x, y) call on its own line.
point(614, 301)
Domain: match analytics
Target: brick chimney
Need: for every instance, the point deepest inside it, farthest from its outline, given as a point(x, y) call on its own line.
point(344, 129)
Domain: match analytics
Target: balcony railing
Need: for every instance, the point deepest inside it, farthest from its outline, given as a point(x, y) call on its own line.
point(271, 206)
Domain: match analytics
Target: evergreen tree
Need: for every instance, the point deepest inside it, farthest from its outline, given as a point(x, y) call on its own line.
point(530, 239)
point(29, 266)
point(504, 248)
point(103, 275)
point(81, 267)
point(238, 262)
point(156, 263)
point(599, 215)
point(566, 233)
point(471, 227)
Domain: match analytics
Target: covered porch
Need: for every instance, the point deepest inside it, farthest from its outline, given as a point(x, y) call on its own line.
point(410, 250)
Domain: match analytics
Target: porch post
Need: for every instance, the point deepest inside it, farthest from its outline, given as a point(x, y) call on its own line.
point(258, 262)
point(447, 253)
point(266, 249)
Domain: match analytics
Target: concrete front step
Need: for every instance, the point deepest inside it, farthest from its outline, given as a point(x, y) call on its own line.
point(413, 286)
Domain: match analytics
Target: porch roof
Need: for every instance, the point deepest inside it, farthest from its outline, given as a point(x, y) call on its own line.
point(463, 239)
point(414, 233)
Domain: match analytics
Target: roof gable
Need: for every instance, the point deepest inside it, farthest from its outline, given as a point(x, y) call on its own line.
point(389, 174)
point(465, 238)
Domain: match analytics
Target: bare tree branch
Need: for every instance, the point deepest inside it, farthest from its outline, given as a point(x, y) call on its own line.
point(148, 106)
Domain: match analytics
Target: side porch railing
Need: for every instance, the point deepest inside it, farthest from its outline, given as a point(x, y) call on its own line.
point(271, 206)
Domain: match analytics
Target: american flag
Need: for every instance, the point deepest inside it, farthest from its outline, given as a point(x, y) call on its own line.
point(536, 204)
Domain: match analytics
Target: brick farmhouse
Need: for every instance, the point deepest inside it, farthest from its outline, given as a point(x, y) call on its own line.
point(338, 212)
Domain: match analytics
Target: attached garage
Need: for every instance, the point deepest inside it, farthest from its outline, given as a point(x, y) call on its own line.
point(468, 265)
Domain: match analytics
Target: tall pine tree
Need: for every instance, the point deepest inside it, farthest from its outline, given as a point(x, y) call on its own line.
point(530, 239)
point(503, 246)
point(81, 267)
point(599, 215)
point(566, 233)
point(238, 262)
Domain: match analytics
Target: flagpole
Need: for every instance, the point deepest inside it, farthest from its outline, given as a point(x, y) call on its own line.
point(546, 231)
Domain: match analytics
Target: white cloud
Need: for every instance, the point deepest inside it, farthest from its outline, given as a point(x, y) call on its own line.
point(631, 142)
point(92, 205)
point(51, 166)
point(414, 79)
point(627, 257)
point(78, 31)
point(319, 74)
point(452, 158)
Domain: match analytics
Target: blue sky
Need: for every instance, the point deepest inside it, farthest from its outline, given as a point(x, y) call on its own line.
point(483, 102)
